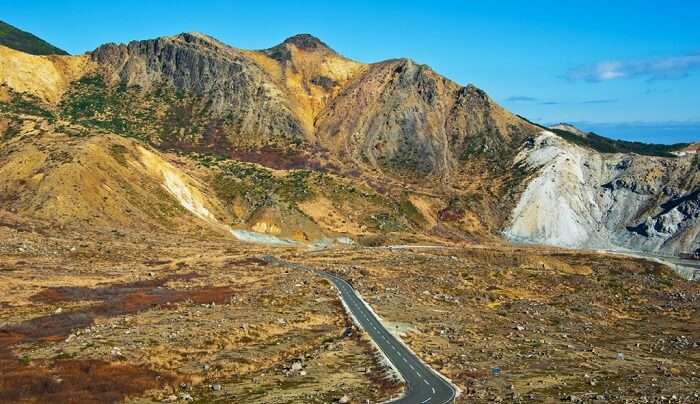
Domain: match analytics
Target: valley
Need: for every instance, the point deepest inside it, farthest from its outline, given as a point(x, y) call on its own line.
point(145, 186)
point(189, 317)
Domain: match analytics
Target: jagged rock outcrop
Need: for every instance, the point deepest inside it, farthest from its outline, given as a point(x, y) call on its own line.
point(229, 83)
point(398, 117)
point(402, 116)
point(430, 155)
point(581, 198)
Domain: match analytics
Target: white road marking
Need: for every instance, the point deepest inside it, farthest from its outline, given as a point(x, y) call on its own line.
point(352, 300)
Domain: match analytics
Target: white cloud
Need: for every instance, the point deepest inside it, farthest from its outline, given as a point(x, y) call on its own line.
point(654, 69)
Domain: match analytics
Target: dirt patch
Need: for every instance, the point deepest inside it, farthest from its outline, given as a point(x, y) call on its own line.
point(89, 381)
point(47, 328)
point(74, 381)
point(117, 299)
point(276, 158)
point(155, 263)
point(107, 292)
point(247, 261)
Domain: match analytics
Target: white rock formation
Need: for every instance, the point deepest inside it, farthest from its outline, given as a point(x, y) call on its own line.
point(581, 198)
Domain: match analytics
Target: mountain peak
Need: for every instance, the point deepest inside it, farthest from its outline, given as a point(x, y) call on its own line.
point(202, 39)
point(569, 128)
point(306, 42)
point(302, 42)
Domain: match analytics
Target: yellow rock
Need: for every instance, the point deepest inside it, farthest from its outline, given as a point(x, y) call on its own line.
point(46, 77)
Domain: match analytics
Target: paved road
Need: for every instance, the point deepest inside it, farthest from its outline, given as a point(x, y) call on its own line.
point(686, 268)
point(423, 385)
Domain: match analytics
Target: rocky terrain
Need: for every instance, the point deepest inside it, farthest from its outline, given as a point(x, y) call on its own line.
point(430, 158)
point(141, 183)
point(607, 200)
point(162, 317)
point(533, 325)
point(114, 316)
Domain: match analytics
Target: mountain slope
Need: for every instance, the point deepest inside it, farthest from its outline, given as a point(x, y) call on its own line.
point(302, 105)
point(300, 143)
point(230, 89)
point(301, 92)
point(25, 42)
point(607, 145)
point(68, 177)
point(44, 77)
point(309, 72)
point(582, 198)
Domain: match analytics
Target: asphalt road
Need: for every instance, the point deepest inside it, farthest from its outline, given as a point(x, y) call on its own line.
point(686, 268)
point(423, 384)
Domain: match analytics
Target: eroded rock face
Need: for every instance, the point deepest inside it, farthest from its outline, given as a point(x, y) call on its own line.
point(230, 84)
point(676, 216)
point(397, 117)
point(300, 104)
point(402, 116)
point(581, 198)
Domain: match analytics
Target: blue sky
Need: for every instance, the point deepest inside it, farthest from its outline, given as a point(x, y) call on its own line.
point(627, 69)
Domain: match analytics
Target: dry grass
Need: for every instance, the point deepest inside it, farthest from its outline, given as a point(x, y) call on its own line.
point(552, 320)
point(169, 309)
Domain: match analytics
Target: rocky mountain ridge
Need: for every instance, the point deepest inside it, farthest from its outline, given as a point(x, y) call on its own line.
point(582, 198)
point(343, 148)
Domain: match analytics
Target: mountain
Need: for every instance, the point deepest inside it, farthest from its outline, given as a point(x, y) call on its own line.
point(299, 143)
point(17, 39)
point(567, 127)
point(607, 145)
point(60, 174)
point(302, 93)
point(581, 197)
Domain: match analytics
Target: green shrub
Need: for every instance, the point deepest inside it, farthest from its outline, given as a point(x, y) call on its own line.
point(606, 145)
point(26, 104)
point(374, 240)
point(409, 210)
point(388, 222)
point(119, 153)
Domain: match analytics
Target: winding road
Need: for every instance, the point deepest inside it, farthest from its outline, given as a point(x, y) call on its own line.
point(424, 385)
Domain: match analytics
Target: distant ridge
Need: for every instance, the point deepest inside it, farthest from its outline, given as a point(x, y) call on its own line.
point(26, 42)
point(607, 145)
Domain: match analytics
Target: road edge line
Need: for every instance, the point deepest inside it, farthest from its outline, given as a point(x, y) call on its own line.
point(385, 361)
point(457, 391)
